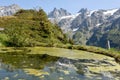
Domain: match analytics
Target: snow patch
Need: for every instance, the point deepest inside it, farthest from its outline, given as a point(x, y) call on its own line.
point(91, 12)
point(98, 24)
point(65, 17)
point(75, 29)
point(1, 11)
point(111, 12)
point(70, 16)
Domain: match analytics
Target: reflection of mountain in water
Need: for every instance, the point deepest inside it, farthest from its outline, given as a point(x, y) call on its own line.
point(22, 60)
point(70, 69)
point(12, 66)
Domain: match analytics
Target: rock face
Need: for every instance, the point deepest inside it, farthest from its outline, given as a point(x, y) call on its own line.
point(59, 16)
point(58, 13)
point(91, 27)
point(9, 10)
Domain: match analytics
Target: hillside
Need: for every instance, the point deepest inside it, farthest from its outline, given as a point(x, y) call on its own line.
point(29, 28)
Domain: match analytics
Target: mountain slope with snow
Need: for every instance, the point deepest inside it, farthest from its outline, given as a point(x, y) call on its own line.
point(83, 25)
point(111, 12)
point(9, 10)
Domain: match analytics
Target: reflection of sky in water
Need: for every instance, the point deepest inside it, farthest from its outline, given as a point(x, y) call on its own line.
point(66, 73)
point(55, 71)
point(9, 73)
point(60, 68)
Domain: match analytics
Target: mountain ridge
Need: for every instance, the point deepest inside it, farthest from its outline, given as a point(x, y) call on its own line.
point(82, 26)
point(9, 10)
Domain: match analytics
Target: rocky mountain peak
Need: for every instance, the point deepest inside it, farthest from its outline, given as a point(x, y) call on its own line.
point(9, 10)
point(83, 10)
point(58, 13)
point(14, 6)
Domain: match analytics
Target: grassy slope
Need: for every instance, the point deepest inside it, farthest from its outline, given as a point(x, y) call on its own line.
point(97, 50)
point(112, 53)
point(30, 28)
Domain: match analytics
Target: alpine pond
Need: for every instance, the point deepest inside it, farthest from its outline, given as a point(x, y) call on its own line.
point(42, 63)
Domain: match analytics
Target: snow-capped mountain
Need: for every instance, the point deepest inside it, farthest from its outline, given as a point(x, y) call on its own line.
point(9, 10)
point(63, 18)
point(96, 17)
point(82, 25)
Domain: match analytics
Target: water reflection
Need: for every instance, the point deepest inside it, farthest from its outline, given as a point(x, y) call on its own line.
point(14, 66)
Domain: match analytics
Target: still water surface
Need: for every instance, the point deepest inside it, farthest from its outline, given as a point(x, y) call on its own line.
point(57, 64)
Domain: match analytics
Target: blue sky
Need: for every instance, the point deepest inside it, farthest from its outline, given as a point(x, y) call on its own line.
point(72, 6)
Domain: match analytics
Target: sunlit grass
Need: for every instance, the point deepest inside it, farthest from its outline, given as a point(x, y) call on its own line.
point(35, 72)
point(79, 51)
point(72, 54)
